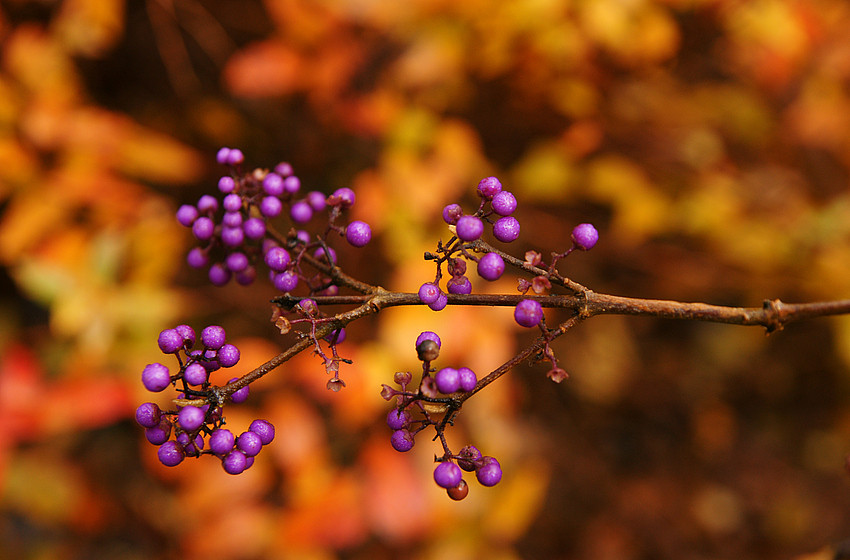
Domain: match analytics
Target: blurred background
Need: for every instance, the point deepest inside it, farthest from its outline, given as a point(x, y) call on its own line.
point(708, 140)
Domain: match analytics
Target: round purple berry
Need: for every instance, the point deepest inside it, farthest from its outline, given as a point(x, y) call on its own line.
point(285, 281)
point(148, 415)
point(235, 157)
point(459, 285)
point(197, 258)
point(448, 380)
point(170, 453)
point(254, 228)
point(398, 419)
point(188, 334)
point(284, 169)
point(585, 236)
point(213, 337)
point(228, 355)
point(291, 184)
point(264, 429)
point(241, 395)
point(195, 374)
point(221, 441)
point(322, 255)
point(469, 228)
point(468, 379)
point(221, 155)
point(186, 215)
point(236, 261)
point(273, 184)
point(232, 203)
point(234, 462)
point(447, 475)
point(249, 443)
point(190, 418)
point(452, 213)
point(528, 313)
point(402, 440)
point(468, 457)
point(316, 200)
point(344, 197)
point(489, 471)
point(232, 236)
point(219, 275)
point(489, 187)
point(506, 229)
point(226, 184)
point(159, 434)
point(277, 258)
point(232, 219)
point(504, 203)
point(429, 293)
point(155, 377)
point(271, 206)
point(203, 228)
point(427, 335)
point(491, 266)
point(207, 204)
point(301, 212)
point(358, 233)
point(440, 304)
point(170, 341)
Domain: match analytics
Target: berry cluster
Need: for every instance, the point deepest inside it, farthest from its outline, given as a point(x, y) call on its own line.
point(496, 208)
point(237, 232)
point(433, 403)
point(198, 430)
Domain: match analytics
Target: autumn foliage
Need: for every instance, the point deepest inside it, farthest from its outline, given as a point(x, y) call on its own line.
point(707, 140)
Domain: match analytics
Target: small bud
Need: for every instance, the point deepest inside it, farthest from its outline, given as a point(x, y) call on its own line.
point(557, 374)
point(402, 377)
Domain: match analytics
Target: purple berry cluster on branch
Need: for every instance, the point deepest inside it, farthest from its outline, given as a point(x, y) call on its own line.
point(198, 430)
point(431, 402)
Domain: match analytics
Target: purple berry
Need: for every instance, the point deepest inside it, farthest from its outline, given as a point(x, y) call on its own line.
point(284, 169)
point(292, 184)
point(159, 434)
point(203, 228)
point(489, 471)
point(468, 379)
point(459, 285)
point(221, 155)
point(429, 293)
point(236, 261)
point(213, 337)
point(219, 275)
point(264, 429)
point(249, 443)
point(506, 229)
point(170, 341)
point(528, 313)
point(271, 206)
point(232, 203)
point(447, 475)
point(232, 236)
point(344, 197)
point(188, 334)
point(221, 441)
point(452, 213)
point(235, 157)
point(241, 395)
point(226, 184)
point(195, 374)
point(186, 215)
point(469, 228)
point(585, 236)
point(301, 212)
point(427, 335)
point(316, 200)
point(148, 415)
point(273, 184)
point(402, 440)
point(207, 204)
point(448, 380)
point(491, 266)
point(277, 258)
point(440, 304)
point(228, 355)
point(190, 418)
point(336, 336)
point(504, 203)
point(397, 419)
point(247, 276)
point(155, 377)
point(285, 281)
point(232, 219)
point(358, 233)
point(489, 187)
point(254, 228)
point(197, 258)
point(322, 255)
point(170, 453)
point(234, 462)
